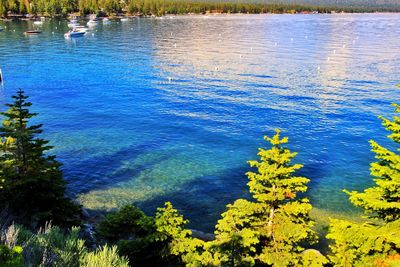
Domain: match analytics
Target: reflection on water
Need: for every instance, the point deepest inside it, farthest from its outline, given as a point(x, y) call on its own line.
point(154, 110)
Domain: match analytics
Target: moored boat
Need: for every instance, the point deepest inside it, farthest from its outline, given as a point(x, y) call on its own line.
point(32, 32)
point(93, 22)
point(73, 24)
point(38, 22)
point(80, 28)
point(74, 33)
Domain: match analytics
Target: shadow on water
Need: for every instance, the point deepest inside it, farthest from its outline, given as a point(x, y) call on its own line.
point(102, 171)
point(203, 199)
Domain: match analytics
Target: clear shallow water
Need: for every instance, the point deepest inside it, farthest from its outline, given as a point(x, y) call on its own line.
point(171, 109)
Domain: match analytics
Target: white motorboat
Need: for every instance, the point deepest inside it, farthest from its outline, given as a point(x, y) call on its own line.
point(73, 25)
point(124, 19)
point(92, 22)
point(74, 33)
point(38, 22)
point(80, 28)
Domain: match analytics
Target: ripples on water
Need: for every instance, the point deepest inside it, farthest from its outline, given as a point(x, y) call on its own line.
point(171, 109)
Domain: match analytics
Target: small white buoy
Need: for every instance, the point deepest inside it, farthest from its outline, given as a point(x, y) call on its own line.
point(219, 40)
point(1, 78)
point(56, 28)
point(216, 68)
point(334, 51)
point(319, 68)
point(171, 33)
point(93, 34)
point(169, 79)
point(175, 45)
point(52, 33)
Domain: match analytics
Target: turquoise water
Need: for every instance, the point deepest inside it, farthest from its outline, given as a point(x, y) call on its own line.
point(171, 109)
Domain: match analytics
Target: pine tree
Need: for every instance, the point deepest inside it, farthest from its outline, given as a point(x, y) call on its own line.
point(237, 233)
point(170, 230)
point(273, 229)
point(34, 190)
point(376, 242)
point(287, 223)
point(383, 200)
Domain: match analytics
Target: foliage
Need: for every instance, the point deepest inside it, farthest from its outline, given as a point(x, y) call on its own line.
point(104, 257)
point(274, 228)
point(127, 223)
point(132, 231)
point(161, 7)
point(33, 187)
point(383, 200)
point(364, 244)
point(160, 240)
point(237, 234)
point(11, 257)
point(285, 224)
point(170, 229)
point(51, 246)
point(376, 243)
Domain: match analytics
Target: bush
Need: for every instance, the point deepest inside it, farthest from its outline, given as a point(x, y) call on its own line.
point(11, 257)
point(104, 257)
point(127, 223)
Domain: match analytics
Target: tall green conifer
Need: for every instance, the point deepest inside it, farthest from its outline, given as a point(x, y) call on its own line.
point(376, 242)
point(34, 190)
point(287, 225)
point(273, 229)
point(383, 200)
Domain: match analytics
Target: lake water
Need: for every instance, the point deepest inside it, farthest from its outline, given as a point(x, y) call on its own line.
point(171, 109)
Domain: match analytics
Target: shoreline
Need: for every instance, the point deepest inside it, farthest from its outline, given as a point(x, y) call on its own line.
point(29, 17)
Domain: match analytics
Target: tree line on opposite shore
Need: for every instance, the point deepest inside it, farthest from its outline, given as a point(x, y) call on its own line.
point(162, 7)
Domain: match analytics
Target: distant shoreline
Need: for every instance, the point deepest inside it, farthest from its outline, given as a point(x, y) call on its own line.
point(33, 18)
point(112, 8)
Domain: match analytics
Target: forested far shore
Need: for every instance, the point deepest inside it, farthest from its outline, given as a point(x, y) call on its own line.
point(162, 7)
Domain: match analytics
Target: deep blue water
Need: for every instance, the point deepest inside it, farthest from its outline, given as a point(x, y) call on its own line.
point(171, 109)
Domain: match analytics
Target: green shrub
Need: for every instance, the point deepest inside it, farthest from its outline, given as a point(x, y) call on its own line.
point(128, 222)
point(52, 247)
point(104, 257)
point(11, 257)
